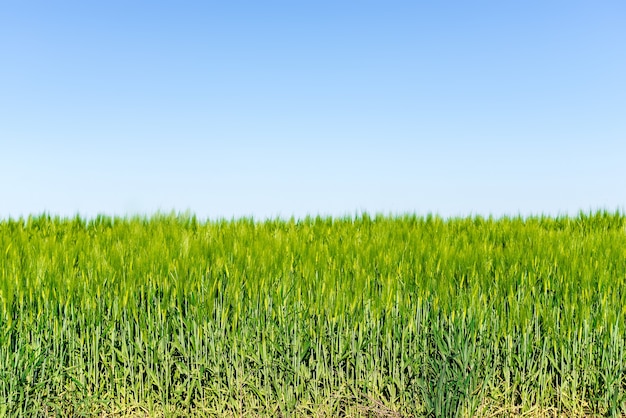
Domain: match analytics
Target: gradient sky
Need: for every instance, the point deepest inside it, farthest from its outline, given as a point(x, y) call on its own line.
point(289, 108)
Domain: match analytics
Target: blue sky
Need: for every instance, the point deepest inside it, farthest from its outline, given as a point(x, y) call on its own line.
point(289, 108)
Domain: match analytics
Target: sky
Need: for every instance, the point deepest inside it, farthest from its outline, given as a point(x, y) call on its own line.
point(292, 108)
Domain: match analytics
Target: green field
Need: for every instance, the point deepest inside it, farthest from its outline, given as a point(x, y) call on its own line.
point(362, 316)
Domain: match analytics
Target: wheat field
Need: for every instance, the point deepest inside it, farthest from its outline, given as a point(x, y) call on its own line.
point(391, 316)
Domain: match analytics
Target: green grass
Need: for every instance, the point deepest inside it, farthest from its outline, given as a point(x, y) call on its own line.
point(365, 316)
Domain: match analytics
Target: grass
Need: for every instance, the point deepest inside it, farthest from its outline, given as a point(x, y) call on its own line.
point(365, 316)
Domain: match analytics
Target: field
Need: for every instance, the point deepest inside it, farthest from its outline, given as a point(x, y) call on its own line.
point(356, 316)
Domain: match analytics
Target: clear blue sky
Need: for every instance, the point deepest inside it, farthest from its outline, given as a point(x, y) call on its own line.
point(281, 108)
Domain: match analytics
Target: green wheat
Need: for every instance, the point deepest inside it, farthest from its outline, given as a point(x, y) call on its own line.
point(405, 315)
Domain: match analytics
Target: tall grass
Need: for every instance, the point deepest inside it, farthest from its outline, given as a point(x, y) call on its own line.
point(407, 315)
